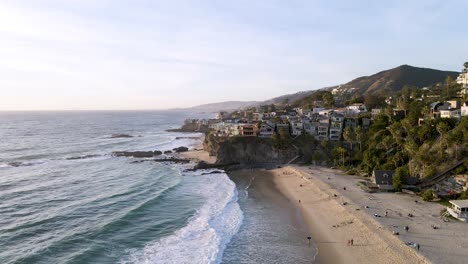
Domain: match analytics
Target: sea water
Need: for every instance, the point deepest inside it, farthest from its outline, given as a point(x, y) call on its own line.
point(65, 199)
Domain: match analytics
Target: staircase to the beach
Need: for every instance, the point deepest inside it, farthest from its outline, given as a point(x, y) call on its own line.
point(297, 156)
point(441, 176)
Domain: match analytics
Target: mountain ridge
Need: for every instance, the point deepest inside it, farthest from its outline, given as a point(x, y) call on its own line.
point(383, 83)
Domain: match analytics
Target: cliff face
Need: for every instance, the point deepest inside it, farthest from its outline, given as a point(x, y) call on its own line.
point(261, 151)
point(247, 150)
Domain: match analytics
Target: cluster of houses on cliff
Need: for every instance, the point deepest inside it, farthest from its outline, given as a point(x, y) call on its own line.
point(321, 123)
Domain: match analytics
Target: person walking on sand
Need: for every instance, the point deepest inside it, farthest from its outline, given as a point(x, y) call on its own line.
point(352, 241)
point(417, 246)
point(349, 242)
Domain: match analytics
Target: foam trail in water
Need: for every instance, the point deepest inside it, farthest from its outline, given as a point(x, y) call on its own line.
point(206, 235)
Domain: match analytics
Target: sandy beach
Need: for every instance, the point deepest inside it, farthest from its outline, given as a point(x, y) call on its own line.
point(447, 244)
point(332, 221)
point(335, 210)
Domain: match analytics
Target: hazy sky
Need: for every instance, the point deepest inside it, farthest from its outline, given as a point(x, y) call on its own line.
point(110, 54)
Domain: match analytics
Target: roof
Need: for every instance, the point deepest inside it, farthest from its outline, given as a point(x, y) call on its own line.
point(379, 176)
point(460, 203)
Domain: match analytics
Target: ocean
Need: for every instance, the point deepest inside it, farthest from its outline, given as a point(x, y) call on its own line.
point(65, 199)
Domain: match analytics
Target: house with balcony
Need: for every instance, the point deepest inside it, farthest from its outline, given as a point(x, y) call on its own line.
point(266, 130)
point(459, 209)
point(322, 126)
point(310, 128)
point(336, 126)
point(248, 130)
point(297, 126)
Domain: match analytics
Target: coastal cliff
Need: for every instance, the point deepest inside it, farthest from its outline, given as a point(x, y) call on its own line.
point(257, 151)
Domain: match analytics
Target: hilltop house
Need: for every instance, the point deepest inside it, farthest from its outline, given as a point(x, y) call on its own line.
point(437, 106)
point(455, 113)
point(463, 80)
point(383, 179)
point(357, 108)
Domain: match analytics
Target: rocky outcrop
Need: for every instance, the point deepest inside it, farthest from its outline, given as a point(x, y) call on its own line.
point(136, 154)
point(261, 152)
point(247, 151)
point(181, 149)
point(171, 160)
point(120, 136)
point(191, 127)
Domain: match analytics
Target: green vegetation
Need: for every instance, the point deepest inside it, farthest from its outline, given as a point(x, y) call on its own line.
point(427, 195)
point(400, 143)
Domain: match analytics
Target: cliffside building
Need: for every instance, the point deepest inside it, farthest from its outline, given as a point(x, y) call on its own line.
point(336, 126)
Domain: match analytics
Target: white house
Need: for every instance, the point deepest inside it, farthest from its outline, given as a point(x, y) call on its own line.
point(456, 113)
point(459, 209)
point(464, 109)
point(316, 110)
point(463, 80)
point(296, 127)
point(325, 112)
point(357, 108)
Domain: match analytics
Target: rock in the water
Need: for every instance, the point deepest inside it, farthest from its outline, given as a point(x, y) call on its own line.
point(174, 160)
point(181, 149)
point(121, 136)
point(136, 154)
point(167, 152)
point(157, 152)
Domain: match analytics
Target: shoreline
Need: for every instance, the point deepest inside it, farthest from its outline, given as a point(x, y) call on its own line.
point(332, 223)
point(317, 204)
point(333, 220)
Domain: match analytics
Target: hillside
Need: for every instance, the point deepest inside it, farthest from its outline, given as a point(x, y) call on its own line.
point(391, 81)
point(225, 106)
point(384, 83)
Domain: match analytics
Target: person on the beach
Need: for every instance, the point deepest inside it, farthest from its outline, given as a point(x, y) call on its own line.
point(417, 246)
point(349, 242)
point(352, 241)
point(386, 213)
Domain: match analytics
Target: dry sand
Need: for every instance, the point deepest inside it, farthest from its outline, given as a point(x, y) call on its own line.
point(332, 224)
point(447, 244)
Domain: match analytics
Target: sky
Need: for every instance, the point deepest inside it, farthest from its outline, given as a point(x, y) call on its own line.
point(135, 54)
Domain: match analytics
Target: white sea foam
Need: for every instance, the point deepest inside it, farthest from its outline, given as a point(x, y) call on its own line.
point(206, 235)
point(185, 140)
